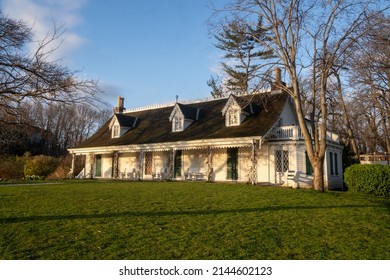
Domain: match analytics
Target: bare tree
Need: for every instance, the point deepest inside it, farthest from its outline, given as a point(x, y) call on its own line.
point(49, 129)
point(370, 77)
point(309, 37)
point(36, 94)
point(25, 76)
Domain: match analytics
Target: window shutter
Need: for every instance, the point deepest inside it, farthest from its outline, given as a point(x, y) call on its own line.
point(309, 168)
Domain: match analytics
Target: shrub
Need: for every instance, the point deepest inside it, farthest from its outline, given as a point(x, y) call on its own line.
point(63, 168)
point(11, 167)
point(368, 178)
point(38, 167)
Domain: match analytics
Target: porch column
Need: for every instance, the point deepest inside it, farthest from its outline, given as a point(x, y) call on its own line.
point(171, 164)
point(115, 165)
point(255, 147)
point(141, 165)
point(91, 161)
point(209, 164)
point(72, 171)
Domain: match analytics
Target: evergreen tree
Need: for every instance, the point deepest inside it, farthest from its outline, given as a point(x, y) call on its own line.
point(241, 43)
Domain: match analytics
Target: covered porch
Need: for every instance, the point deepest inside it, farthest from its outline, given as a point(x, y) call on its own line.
point(229, 160)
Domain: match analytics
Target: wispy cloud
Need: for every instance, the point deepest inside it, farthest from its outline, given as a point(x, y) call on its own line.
point(44, 16)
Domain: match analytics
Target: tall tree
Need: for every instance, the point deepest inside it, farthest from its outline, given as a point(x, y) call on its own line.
point(309, 37)
point(242, 51)
point(370, 75)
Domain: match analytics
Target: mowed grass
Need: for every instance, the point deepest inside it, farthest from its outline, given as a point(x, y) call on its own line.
point(183, 220)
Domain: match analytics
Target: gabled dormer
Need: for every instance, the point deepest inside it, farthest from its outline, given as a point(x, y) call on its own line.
point(236, 110)
point(120, 124)
point(183, 116)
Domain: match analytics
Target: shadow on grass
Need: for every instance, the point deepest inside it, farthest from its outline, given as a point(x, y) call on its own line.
point(11, 220)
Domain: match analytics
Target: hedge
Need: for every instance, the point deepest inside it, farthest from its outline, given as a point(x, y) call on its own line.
point(368, 178)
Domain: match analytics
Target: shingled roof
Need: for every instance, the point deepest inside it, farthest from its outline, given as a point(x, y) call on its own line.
point(153, 125)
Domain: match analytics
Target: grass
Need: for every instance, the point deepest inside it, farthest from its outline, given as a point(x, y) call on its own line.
point(172, 220)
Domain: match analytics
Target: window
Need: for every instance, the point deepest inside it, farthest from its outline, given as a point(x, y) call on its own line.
point(233, 118)
point(148, 163)
point(115, 131)
point(281, 161)
point(178, 123)
point(331, 163)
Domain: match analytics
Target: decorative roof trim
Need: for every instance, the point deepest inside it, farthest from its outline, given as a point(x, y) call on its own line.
point(175, 110)
point(231, 100)
point(181, 145)
point(185, 102)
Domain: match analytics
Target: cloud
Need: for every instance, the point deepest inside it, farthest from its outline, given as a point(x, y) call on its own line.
point(44, 16)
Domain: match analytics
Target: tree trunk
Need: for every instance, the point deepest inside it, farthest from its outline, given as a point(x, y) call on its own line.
point(351, 136)
point(318, 180)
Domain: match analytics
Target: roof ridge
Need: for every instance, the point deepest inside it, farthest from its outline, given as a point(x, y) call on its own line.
point(184, 102)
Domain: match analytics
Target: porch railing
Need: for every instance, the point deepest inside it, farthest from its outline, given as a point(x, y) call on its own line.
point(294, 132)
point(375, 159)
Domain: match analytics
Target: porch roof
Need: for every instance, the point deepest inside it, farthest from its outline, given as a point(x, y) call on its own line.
point(153, 125)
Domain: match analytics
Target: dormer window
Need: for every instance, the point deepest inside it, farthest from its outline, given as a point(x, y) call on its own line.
point(178, 123)
point(236, 110)
point(183, 116)
point(233, 116)
point(116, 131)
point(120, 124)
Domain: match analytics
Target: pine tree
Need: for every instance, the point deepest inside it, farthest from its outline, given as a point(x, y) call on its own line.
point(241, 43)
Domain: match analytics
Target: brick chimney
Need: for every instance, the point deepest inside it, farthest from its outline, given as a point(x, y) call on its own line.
point(278, 79)
point(120, 108)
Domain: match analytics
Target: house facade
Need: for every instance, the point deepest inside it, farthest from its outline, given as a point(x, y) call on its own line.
point(248, 138)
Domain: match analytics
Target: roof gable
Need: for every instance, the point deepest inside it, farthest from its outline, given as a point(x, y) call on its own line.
point(186, 111)
point(123, 120)
point(231, 102)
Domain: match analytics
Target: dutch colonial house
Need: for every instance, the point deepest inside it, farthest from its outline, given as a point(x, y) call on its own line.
point(248, 138)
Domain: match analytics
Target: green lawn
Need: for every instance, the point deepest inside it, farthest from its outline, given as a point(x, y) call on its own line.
point(172, 220)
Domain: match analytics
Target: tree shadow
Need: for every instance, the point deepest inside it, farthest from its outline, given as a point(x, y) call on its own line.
point(12, 220)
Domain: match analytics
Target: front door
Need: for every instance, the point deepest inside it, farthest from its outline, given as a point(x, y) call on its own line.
point(177, 164)
point(98, 166)
point(232, 164)
point(281, 166)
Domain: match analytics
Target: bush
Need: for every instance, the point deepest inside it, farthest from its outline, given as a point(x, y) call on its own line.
point(368, 178)
point(11, 167)
point(63, 167)
point(38, 167)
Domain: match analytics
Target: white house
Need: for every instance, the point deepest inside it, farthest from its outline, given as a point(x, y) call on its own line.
point(248, 138)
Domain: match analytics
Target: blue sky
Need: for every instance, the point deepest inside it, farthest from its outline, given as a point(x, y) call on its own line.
point(146, 51)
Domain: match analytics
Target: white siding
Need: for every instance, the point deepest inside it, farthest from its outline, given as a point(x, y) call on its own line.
point(304, 179)
point(219, 164)
point(288, 115)
point(332, 170)
point(160, 162)
point(107, 166)
point(244, 164)
point(194, 161)
point(263, 168)
point(128, 162)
